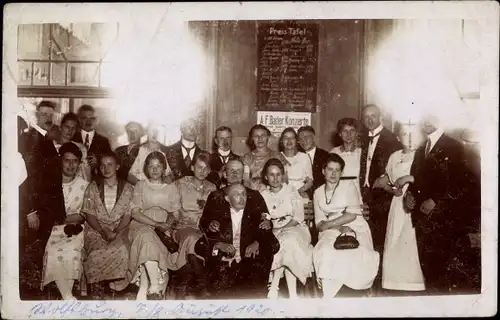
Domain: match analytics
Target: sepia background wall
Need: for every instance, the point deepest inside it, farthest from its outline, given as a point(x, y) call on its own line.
point(208, 69)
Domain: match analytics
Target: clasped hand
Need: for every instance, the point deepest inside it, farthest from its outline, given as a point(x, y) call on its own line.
point(108, 234)
point(426, 207)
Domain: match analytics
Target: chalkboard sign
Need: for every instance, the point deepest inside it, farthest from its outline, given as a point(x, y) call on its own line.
point(287, 70)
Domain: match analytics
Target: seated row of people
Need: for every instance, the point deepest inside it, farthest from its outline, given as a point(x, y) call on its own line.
point(112, 231)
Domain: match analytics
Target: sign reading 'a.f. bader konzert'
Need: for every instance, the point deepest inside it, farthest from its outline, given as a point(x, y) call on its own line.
point(277, 121)
point(287, 67)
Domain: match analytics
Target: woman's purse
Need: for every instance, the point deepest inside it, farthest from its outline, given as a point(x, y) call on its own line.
point(346, 242)
point(168, 241)
point(72, 229)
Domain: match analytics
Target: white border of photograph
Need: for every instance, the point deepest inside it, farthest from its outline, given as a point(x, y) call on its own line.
point(152, 14)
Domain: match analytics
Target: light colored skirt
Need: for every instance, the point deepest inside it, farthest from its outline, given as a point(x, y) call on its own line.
point(355, 268)
point(63, 256)
point(145, 245)
point(295, 251)
point(401, 265)
point(105, 261)
point(186, 237)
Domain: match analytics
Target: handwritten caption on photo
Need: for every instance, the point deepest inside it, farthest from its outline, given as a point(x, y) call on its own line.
point(157, 310)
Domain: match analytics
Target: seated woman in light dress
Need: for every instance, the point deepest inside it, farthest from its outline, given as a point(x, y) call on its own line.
point(286, 208)
point(337, 210)
point(299, 169)
point(136, 172)
point(193, 194)
point(63, 252)
point(347, 129)
point(154, 205)
point(401, 265)
point(257, 141)
point(107, 211)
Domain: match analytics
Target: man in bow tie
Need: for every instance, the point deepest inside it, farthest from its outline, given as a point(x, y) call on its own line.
point(222, 155)
point(181, 154)
point(439, 201)
point(238, 245)
point(378, 143)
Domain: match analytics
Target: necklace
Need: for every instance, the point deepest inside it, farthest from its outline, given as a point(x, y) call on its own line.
point(331, 197)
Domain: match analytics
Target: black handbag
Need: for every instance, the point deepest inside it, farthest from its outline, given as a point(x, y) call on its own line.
point(169, 242)
point(346, 242)
point(72, 229)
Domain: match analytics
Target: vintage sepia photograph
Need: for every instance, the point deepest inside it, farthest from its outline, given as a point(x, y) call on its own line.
point(275, 159)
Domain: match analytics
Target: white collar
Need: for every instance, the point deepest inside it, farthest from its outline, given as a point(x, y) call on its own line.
point(312, 151)
point(434, 137)
point(223, 153)
point(90, 133)
point(376, 131)
point(187, 144)
point(237, 213)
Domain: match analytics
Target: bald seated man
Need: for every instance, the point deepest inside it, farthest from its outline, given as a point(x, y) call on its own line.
point(239, 244)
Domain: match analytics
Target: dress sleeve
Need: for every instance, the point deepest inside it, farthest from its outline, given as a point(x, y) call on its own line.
point(127, 198)
point(390, 166)
point(297, 206)
point(352, 198)
point(79, 198)
point(174, 198)
point(319, 214)
point(89, 204)
point(308, 167)
point(137, 196)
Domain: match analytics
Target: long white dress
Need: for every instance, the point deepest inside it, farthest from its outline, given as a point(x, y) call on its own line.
point(401, 266)
point(63, 257)
point(299, 168)
point(352, 161)
point(295, 242)
point(355, 268)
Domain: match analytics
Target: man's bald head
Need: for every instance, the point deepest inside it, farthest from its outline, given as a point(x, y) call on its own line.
point(233, 171)
point(236, 195)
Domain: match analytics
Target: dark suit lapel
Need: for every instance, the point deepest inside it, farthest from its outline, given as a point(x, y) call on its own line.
point(438, 147)
point(364, 159)
point(379, 148)
point(228, 234)
point(245, 224)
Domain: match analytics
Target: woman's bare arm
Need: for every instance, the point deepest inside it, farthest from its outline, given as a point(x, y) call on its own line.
point(337, 222)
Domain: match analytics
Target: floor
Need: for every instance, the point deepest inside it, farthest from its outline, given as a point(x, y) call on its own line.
point(31, 275)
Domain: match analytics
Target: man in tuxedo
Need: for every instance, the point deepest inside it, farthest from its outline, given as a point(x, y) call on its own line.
point(378, 144)
point(181, 154)
point(317, 156)
point(128, 153)
point(95, 143)
point(219, 158)
point(238, 250)
point(439, 212)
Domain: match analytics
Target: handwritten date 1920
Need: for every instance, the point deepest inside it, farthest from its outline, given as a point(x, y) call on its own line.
point(258, 309)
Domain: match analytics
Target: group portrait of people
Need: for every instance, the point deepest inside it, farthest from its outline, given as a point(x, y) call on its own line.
point(392, 209)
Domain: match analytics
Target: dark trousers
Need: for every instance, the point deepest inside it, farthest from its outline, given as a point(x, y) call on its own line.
point(379, 202)
point(448, 263)
point(246, 279)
